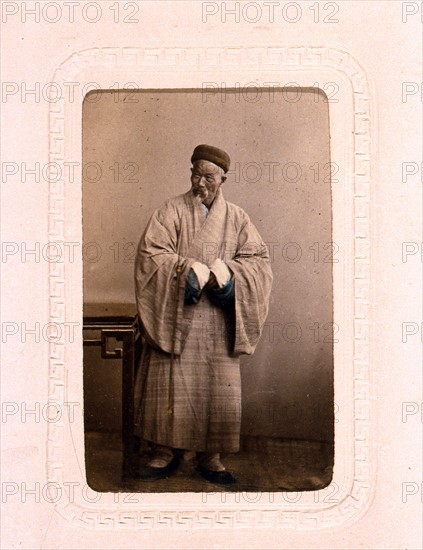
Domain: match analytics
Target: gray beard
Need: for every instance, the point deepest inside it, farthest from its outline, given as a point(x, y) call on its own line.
point(198, 198)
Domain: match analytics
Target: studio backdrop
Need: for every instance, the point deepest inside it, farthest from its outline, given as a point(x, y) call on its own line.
point(136, 153)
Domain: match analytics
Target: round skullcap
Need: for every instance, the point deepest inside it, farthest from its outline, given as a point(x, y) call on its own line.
point(212, 154)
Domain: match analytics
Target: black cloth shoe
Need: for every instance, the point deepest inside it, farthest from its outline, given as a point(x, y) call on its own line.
point(222, 478)
point(149, 473)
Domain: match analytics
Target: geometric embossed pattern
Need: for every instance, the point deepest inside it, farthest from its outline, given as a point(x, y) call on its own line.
point(83, 67)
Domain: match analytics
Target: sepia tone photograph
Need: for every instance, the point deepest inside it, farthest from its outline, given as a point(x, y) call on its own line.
point(208, 299)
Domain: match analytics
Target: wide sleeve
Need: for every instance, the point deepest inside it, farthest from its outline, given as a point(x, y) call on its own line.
point(160, 281)
point(253, 280)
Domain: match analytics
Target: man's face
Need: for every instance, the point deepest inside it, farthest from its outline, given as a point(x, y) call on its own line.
point(206, 178)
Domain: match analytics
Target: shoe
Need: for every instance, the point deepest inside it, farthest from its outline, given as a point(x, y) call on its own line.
point(222, 478)
point(149, 473)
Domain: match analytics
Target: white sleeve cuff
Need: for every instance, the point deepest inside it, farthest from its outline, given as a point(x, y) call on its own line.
point(221, 272)
point(202, 273)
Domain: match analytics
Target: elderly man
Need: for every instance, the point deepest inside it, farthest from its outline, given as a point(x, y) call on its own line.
point(203, 280)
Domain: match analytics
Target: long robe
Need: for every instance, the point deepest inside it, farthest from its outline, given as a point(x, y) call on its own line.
point(203, 387)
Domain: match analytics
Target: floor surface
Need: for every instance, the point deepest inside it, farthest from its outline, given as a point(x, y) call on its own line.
point(263, 464)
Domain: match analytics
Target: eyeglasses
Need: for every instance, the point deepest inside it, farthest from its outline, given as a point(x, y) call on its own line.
point(210, 178)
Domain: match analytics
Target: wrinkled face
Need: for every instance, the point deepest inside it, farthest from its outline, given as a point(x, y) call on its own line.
point(206, 178)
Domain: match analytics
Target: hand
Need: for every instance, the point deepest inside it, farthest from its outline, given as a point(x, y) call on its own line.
point(202, 273)
point(212, 283)
point(221, 272)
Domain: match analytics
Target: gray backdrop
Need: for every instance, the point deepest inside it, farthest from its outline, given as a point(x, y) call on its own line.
point(136, 153)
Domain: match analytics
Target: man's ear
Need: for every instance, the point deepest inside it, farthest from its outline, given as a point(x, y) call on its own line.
point(224, 178)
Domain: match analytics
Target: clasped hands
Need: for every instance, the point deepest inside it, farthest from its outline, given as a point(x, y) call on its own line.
point(214, 277)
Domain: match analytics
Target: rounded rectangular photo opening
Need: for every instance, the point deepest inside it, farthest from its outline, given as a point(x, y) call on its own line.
point(137, 154)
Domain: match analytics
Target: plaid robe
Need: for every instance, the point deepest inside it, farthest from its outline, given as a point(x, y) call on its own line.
point(203, 387)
